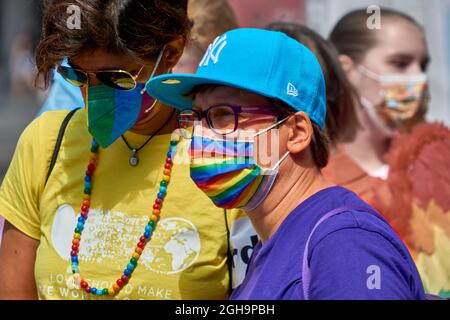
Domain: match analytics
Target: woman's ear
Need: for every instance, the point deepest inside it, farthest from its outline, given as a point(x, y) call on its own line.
point(300, 132)
point(346, 63)
point(173, 52)
point(350, 69)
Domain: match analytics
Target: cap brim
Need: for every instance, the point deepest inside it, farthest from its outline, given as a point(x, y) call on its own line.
point(174, 89)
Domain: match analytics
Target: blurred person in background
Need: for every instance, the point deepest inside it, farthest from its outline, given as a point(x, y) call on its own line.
point(397, 162)
point(22, 70)
point(124, 136)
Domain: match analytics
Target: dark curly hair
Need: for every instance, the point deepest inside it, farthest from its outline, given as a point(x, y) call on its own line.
point(138, 28)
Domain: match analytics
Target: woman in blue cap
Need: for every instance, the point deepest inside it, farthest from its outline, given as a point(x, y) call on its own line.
point(318, 241)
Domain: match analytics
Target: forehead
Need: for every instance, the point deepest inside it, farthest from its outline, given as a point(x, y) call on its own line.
point(401, 36)
point(101, 59)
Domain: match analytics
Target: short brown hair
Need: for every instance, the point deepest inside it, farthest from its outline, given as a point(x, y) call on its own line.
point(320, 143)
point(138, 28)
point(320, 147)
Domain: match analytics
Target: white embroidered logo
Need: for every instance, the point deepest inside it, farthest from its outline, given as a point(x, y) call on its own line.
point(214, 50)
point(292, 90)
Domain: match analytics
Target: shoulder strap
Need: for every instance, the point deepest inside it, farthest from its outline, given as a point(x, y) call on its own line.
point(306, 271)
point(59, 139)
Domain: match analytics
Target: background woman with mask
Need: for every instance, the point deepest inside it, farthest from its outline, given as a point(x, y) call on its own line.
point(396, 162)
point(109, 215)
point(318, 241)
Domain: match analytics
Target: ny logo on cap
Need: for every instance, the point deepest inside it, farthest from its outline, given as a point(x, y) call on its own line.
point(292, 90)
point(214, 50)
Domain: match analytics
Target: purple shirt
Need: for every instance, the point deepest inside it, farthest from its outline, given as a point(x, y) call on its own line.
point(352, 255)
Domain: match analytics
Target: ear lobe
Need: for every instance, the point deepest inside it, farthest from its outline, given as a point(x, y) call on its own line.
point(173, 52)
point(347, 63)
point(300, 133)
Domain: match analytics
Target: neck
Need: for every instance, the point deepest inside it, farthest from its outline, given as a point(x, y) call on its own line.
point(155, 119)
point(369, 146)
point(293, 186)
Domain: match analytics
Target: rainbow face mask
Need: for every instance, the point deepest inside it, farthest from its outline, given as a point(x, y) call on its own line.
point(226, 170)
point(112, 112)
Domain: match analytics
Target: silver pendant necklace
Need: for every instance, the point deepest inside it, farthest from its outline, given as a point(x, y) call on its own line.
point(134, 160)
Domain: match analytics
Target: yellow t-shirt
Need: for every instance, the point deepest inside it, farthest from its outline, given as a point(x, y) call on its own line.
point(187, 255)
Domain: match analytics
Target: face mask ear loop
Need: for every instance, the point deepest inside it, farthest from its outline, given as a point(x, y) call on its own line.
point(158, 61)
point(280, 161)
point(368, 73)
point(272, 126)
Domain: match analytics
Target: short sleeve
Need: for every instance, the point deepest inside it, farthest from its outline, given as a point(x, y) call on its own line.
point(353, 263)
point(24, 181)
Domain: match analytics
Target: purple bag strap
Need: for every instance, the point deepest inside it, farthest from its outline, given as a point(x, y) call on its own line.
point(306, 271)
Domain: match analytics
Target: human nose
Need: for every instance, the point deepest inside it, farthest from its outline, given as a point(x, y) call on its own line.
point(415, 69)
point(93, 80)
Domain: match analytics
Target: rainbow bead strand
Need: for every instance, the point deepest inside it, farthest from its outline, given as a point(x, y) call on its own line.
point(143, 240)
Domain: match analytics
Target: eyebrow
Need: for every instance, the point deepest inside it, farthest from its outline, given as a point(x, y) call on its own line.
point(426, 58)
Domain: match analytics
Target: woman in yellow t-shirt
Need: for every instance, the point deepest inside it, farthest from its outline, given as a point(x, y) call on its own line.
point(104, 208)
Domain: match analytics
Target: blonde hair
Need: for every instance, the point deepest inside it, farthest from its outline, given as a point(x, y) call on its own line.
point(211, 19)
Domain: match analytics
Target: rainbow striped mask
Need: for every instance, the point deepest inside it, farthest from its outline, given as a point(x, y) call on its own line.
point(226, 170)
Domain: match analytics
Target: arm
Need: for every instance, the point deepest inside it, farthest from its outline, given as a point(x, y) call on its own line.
point(17, 257)
point(20, 194)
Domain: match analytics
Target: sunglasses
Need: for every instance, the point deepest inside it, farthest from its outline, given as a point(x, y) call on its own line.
point(117, 79)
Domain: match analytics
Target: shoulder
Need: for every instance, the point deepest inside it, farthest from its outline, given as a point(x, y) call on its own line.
point(43, 131)
point(37, 142)
point(359, 230)
point(45, 126)
point(40, 135)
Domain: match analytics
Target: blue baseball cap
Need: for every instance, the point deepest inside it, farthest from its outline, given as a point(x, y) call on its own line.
point(268, 63)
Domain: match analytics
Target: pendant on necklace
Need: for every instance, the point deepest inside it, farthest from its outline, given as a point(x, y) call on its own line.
point(134, 161)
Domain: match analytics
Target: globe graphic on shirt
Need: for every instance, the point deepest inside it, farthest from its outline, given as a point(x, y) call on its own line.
point(109, 236)
point(174, 247)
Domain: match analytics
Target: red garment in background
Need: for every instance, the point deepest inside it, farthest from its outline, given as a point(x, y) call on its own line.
point(415, 198)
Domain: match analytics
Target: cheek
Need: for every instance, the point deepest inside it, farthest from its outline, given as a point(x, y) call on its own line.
point(270, 147)
point(366, 87)
point(371, 90)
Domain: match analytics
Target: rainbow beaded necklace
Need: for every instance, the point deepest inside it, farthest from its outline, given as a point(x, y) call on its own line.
point(146, 236)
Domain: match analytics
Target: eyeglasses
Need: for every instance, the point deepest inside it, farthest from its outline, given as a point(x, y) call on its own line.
point(222, 119)
point(117, 79)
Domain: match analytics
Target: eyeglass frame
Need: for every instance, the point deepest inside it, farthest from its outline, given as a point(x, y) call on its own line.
point(87, 73)
point(237, 109)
